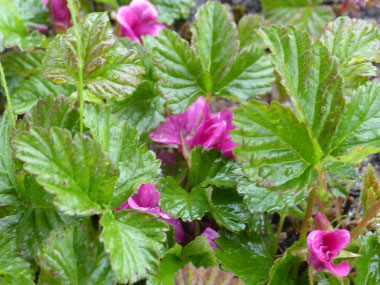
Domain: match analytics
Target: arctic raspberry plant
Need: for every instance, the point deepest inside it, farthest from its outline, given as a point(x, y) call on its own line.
point(133, 151)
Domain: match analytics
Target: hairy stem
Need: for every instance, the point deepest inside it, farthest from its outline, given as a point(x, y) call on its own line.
point(371, 213)
point(309, 211)
point(5, 86)
point(279, 229)
point(80, 62)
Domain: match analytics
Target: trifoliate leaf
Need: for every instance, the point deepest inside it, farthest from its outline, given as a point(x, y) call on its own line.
point(54, 112)
point(306, 14)
point(182, 79)
point(119, 142)
point(210, 168)
point(110, 70)
point(247, 31)
point(212, 275)
point(145, 109)
point(168, 10)
point(274, 147)
point(8, 183)
point(368, 263)
point(355, 43)
point(316, 88)
point(228, 209)
point(86, 181)
point(261, 200)
point(359, 123)
point(134, 241)
point(14, 28)
point(73, 255)
point(181, 204)
point(248, 259)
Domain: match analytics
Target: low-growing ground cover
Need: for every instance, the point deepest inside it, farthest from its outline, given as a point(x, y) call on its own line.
point(174, 142)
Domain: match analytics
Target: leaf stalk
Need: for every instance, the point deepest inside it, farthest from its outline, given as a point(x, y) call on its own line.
point(5, 86)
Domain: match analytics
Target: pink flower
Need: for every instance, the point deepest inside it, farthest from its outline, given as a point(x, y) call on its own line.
point(197, 127)
point(61, 14)
point(146, 200)
point(321, 223)
point(139, 19)
point(211, 236)
point(324, 246)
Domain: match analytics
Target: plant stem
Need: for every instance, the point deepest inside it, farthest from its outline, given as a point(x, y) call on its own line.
point(309, 211)
point(279, 229)
point(80, 63)
point(5, 85)
point(208, 98)
point(371, 213)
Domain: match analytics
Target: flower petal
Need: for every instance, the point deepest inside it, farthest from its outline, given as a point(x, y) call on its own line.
point(211, 236)
point(336, 240)
point(341, 269)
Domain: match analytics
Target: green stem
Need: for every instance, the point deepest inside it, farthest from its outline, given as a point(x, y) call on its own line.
point(5, 85)
point(80, 62)
point(279, 229)
point(371, 213)
point(309, 211)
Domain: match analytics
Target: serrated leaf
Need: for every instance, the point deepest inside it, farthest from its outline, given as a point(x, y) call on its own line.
point(355, 43)
point(86, 181)
point(359, 123)
point(73, 255)
point(261, 200)
point(22, 63)
point(248, 259)
point(134, 241)
point(228, 209)
point(181, 204)
point(181, 76)
point(274, 147)
point(210, 168)
point(119, 141)
point(32, 12)
point(33, 89)
point(306, 14)
point(212, 275)
point(8, 183)
point(368, 264)
point(250, 74)
point(247, 35)
point(145, 109)
point(54, 112)
point(311, 78)
point(168, 10)
point(110, 70)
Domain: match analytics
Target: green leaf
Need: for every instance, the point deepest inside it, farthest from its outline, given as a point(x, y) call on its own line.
point(199, 252)
point(228, 209)
point(210, 168)
point(73, 255)
point(280, 272)
point(248, 259)
point(8, 183)
point(32, 12)
point(359, 123)
point(274, 147)
point(33, 89)
point(86, 181)
point(22, 63)
point(306, 14)
point(316, 88)
point(119, 141)
point(145, 109)
point(134, 241)
point(261, 200)
point(110, 70)
point(370, 194)
point(214, 38)
point(212, 275)
point(247, 35)
point(54, 112)
point(355, 43)
point(251, 74)
point(168, 10)
point(13, 269)
point(182, 204)
point(182, 79)
point(368, 263)
point(13, 28)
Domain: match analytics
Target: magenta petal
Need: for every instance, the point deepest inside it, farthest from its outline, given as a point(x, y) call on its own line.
point(211, 236)
point(147, 196)
point(341, 269)
point(321, 222)
point(45, 2)
point(179, 234)
point(337, 240)
point(61, 14)
point(145, 10)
